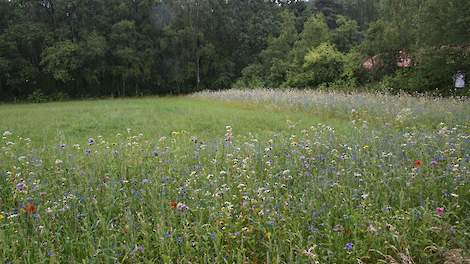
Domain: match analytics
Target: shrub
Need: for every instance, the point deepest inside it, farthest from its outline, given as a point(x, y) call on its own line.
point(60, 96)
point(250, 78)
point(37, 97)
point(322, 65)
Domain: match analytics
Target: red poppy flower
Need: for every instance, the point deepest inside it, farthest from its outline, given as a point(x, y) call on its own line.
point(30, 208)
point(418, 163)
point(173, 204)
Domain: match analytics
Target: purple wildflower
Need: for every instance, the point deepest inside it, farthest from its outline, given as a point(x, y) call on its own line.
point(145, 181)
point(440, 211)
point(20, 186)
point(167, 235)
point(138, 249)
point(349, 246)
point(182, 208)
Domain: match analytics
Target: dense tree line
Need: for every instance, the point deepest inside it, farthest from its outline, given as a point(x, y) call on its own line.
point(61, 48)
point(393, 45)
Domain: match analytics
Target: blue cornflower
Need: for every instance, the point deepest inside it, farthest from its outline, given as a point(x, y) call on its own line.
point(145, 181)
point(179, 240)
point(271, 223)
point(167, 234)
point(81, 216)
point(387, 209)
point(313, 229)
point(138, 249)
point(349, 246)
point(20, 186)
point(212, 236)
point(315, 214)
point(234, 234)
point(183, 191)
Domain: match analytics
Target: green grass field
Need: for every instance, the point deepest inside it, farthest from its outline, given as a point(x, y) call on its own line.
point(155, 117)
point(236, 177)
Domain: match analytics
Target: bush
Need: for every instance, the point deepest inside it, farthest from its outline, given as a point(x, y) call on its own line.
point(37, 97)
point(60, 96)
point(251, 78)
point(322, 65)
point(405, 80)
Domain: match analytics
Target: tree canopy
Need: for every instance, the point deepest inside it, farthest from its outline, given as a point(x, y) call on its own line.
point(89, 48)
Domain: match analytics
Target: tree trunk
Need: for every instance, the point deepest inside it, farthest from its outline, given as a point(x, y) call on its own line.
point(198, 72)
point(198, 57)
point(123, 87)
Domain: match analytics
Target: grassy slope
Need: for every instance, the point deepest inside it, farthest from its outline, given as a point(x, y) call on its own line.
point(76, 121)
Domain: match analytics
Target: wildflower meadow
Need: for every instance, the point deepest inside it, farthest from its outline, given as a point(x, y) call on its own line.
point(237, 177)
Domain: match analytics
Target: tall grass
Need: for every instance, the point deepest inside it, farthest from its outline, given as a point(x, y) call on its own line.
point(377, 107)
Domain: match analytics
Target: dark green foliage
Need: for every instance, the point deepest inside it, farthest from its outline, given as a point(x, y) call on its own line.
point(434, 34)
point(122, 48)
point(272, 66)
point(362, 11)
point(347, 34)
point(412, 46)
point(322, 65)
point(62, 60)
point(330, 9)
point(125, 48)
